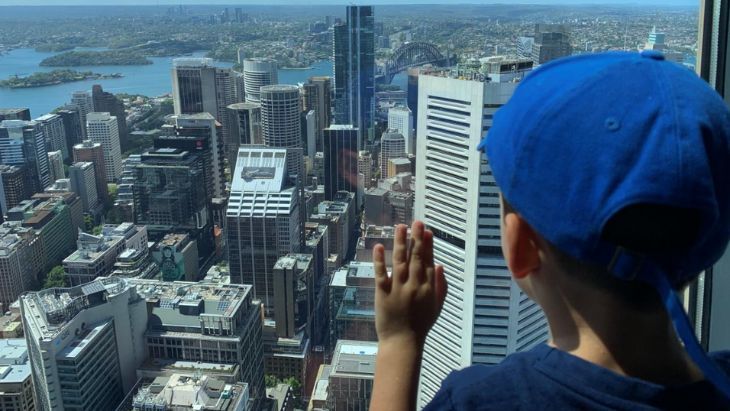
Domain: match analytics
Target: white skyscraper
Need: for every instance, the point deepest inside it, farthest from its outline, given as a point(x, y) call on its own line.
point(392, 145)
point(81, 100)
point(401, 120)
point(55, 165)
point(54, 133)
point(102, 128)
point(486, 316)
point(281, 123)
point(258, 72)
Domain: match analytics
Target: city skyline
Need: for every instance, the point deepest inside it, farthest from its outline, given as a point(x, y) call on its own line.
point(337, 2)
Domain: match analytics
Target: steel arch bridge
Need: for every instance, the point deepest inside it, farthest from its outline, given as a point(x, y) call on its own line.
point(412, 54)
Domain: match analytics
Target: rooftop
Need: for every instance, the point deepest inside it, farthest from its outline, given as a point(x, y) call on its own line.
point(259, 169)
point(14, 363)
point(354, 359)
point(193, 392)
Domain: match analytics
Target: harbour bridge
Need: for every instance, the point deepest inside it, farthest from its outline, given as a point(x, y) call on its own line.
point(413, 54)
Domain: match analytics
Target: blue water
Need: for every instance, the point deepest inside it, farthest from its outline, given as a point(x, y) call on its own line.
point(150, 80)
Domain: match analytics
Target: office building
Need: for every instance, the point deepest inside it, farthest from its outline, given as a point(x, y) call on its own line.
point(263, 218)
point(85, 343)
point(351, 376)
point(92, 152)
point(339, 216)
point(524, 47)
point(294, 289)
point(316, 96)
point(72, 127)
point(214, 323)
point(283, 396)
point(54, 132)
point(82, 102)
point(352, 303)
point(552, 41)
point(340, 160)
point(170, 196)
point(132, 263)
point(105, 102)
point(354, 66)
point(257, 73)
point(94, 257)
point(316, 244)
point(365, 168)
point(467, 233)
point(392, 145)
point(187, 392)
point(285, 357)
point(281, 123)
point(102, 128)
point(386, 207)
point(23, 143)
point(83, 182)
point(397, 166)
point(15, 114)
point(55, 165)
point(400, 119)
point(198, 133)
point(245, 128)
point(177, 257)
point(15, 189)
point(19, 261)
point(16, 384)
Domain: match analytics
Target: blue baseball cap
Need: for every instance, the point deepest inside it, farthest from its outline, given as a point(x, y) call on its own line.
point(584, 137)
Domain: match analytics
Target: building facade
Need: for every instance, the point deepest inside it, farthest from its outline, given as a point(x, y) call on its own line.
point(340, 160)
point(102, 128)
point(400, 119)
point(257, 73)
point(281, 123)
point(92, 152)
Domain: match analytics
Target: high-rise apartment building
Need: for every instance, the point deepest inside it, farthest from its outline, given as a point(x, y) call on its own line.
point(102, 128)
point(486, 316)
point(83, 183)
point(392, 145)
point(354, 71)
point(22, 143)
point(198, 133)
point(245, 119)
point(54, 133)
point(552, 41)
point(82, 102)
point(400, 119)
point(340, 160)
point(85, 343)
point(105, 102)
point(263, 218)
point(281, 123)
point(55, 165)
point(92, 152)
point(257, 73)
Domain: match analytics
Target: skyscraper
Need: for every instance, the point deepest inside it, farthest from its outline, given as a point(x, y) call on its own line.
point(102, 128)
point(198, 133)
point(85, 343)
point(105, 102)
point(340, 160)
point(92, 152)
point(55, 165)
point(22, 143)
point(72, 127)
point(552, 41)
point(486, 316)
point(257, 73)
point(316, 95)
point(15, 114)
point(14, 184)
point(200, 87)
point(54, 133)
point(81, 101)
point(281, 123)
point(245, 128)
point(354, 71)
point(263, 218)
point(401, 119)
point(83, 183)
point(392, 145)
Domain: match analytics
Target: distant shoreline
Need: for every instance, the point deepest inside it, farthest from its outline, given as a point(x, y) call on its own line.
point(53, 78)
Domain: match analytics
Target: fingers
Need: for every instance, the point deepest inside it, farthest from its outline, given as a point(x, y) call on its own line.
point(381, 273)
point(400, 257)
point(416, 263)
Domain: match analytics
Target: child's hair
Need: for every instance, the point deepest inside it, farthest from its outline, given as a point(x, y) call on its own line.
point(647, 229)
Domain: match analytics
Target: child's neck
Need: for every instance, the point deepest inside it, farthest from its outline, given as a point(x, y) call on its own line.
point(622, 340)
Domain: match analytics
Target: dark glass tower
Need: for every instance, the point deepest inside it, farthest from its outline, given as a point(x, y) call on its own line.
point(340, 160)
point(354, 70)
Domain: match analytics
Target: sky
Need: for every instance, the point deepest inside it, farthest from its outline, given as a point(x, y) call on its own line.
point(335, 2)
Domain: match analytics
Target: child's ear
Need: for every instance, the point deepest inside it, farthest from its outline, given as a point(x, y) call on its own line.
point(520, 246)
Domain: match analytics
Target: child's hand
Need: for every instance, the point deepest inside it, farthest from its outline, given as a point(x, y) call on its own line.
point(408, 303)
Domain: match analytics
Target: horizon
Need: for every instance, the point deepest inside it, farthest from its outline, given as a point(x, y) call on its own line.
point(153, 3)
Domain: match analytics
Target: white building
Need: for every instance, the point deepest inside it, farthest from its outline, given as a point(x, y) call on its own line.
point(281, 123)
point(85, 343)
point(401, 119)
point(392, 145)
point(486, 316)
point(54, 132)
point(263, 218)
point(102, 128)
point(258, 72)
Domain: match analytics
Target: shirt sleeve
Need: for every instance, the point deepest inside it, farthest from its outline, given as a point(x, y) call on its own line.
point(442, 399)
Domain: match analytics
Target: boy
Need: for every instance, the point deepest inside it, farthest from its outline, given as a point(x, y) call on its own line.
point(615, 174)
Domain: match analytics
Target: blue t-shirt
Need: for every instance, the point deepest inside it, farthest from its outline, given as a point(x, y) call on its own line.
point(545, 378)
